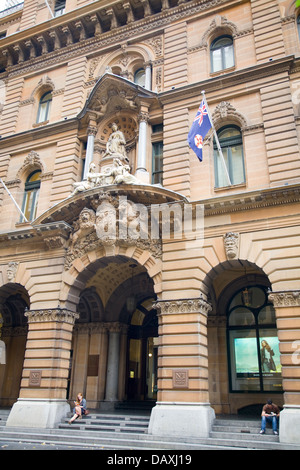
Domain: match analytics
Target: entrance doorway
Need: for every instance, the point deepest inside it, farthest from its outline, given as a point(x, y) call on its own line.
point(115, 341)
point(142, 357)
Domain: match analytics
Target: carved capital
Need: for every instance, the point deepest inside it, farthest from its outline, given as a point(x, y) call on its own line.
point(61, 315)
point(285, 298)
point(183, 306)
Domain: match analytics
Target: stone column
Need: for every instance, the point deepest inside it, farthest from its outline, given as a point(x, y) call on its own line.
point(148, 76)
point(141, 170)
point(92, 131)
point(42, 401)
point(183, 407)
point(113, 357)
point(287, 306)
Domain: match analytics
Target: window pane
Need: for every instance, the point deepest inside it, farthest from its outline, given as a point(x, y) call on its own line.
point(244, 364)
point(270, 360)
point(241, 317)
point(236, 165)
point(139, 77)
point(157, 162)
point(228, 57)
point(267, 316)
point(221, 178)
point(44, 107)
point(216, 60)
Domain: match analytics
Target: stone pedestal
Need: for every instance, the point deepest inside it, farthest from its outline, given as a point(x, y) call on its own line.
point(289, 424)
point(37, 413)
point(181, 420)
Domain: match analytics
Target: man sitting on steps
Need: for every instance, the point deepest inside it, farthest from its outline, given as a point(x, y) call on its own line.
point(270, 413)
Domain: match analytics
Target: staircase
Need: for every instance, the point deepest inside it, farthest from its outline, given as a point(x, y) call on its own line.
point(128, 430)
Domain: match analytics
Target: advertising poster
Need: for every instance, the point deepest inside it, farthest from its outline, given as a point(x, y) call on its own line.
point(246, 356)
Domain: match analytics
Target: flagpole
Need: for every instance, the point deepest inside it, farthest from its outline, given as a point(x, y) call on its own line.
point(48, 6)
point(9, 193)
point(217, 140)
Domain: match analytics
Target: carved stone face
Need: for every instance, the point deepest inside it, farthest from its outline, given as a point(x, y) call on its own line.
point(231, 244)
point(87, 218)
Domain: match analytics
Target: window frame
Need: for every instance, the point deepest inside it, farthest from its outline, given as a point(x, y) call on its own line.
point(31, 190)
point(235, 331)
point(157, 158)
point(227, 143)
point(222, 49)
point(44, 107)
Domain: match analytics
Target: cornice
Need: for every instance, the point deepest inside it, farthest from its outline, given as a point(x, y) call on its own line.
point(46, 131)
point(148, 25)
point(230, 79)
point(267, 197)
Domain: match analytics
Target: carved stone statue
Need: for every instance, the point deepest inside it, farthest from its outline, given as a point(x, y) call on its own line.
point(115, 146)
point(89, 183)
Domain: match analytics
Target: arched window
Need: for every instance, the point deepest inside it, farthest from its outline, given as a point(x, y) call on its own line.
point(32, 187)
point(139, 77)
point(44, 107)
point(222, 53)
point(231, 143)
point(298, 26)
point(254, 358)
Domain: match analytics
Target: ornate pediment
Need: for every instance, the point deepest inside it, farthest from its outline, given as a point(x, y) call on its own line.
point(113, 94)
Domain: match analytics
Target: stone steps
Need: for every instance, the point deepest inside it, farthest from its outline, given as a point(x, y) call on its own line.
point(127, 431)
point(109, 422)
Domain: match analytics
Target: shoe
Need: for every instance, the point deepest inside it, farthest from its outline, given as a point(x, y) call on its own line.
point(275, 432)
point(262, 432)
point(70, 422)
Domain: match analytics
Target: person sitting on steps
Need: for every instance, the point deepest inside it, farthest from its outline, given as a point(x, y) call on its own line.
point(270, 413)
point(79, 409)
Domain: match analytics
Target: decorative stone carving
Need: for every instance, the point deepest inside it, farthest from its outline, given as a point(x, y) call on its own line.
point(117, 173)
point(112, 221)
point(285, 298)
point(85, 224)
point(12, 270)
point(51, 315)
point(183, 306)
point(231, 245)
point(115, 146)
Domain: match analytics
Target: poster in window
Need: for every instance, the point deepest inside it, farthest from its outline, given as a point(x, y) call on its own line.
point(246, 356)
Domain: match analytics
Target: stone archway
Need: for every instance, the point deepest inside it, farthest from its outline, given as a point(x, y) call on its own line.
point(14, 301)
point(101, 343)
point(222, 283)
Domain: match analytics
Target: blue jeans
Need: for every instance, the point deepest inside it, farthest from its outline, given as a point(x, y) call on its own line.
point(269, 419)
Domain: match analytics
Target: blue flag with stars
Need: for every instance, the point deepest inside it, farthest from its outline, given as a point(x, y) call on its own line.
point(200, 127)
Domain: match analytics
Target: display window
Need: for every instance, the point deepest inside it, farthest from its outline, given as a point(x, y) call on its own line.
point(254, 358)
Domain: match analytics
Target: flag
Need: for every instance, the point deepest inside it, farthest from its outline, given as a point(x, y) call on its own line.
point(200, 127)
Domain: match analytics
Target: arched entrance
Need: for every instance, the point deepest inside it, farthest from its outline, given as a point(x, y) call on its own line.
point(114, 348)
point(242, 339)
point(14, 301)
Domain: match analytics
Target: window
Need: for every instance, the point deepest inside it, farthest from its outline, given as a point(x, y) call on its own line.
point(32, 187)
point(222, 54)
point(139, 77)
point(44, 107)
point(230, 139)
point(157, 163)
point(254, 358)
point(59, 8)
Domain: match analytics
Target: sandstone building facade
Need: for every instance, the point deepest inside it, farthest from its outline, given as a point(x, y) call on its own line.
point(99, 292)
